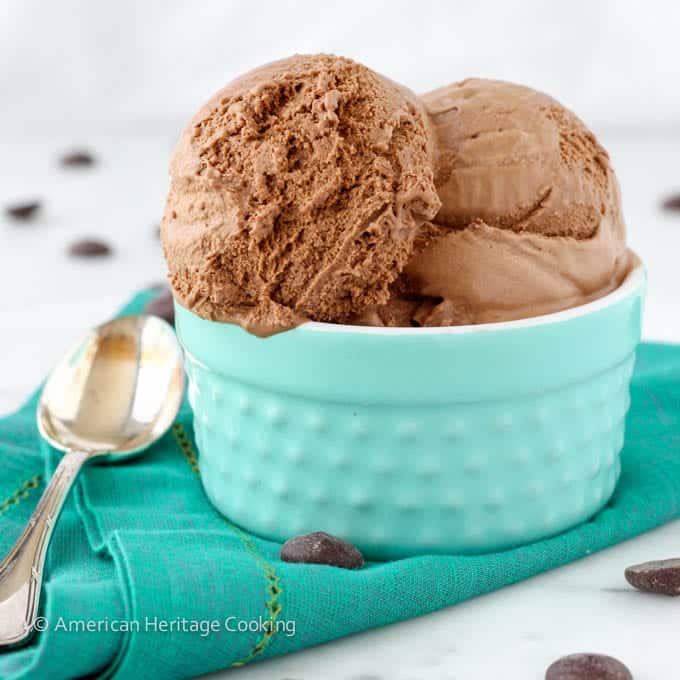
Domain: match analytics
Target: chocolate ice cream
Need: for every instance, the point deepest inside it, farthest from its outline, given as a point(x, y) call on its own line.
point(297, 193)
point(530, 221)
point(314, 188)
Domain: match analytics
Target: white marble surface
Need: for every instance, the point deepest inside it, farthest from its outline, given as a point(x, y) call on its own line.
point(47, 300)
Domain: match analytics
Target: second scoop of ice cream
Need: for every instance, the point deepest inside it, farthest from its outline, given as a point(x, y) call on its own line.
point(530, 221)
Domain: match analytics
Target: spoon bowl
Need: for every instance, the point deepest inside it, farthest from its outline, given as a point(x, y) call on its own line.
point(111, 397)
point(116, 391)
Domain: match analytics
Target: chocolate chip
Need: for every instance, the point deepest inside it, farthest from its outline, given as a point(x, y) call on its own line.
point(322, 548)
point(587, 667)
point(672, 203)
point(661, 576)
point(162, 306)
point(23, 211)
point(77, 159)
point(89, 247)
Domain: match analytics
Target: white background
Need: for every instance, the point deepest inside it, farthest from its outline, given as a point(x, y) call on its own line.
point(614, 61)
point(121, 78)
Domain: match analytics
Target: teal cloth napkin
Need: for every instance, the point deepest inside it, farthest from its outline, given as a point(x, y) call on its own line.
point(145, 579)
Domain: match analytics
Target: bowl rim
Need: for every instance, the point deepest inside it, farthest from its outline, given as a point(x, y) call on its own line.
point(633, 282)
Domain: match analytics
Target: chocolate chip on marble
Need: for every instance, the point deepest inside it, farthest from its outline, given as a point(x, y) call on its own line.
point(162, 306)
point(587, 667)
point(89, 247)
point(77, 159)
point(23, 211)
point(322, 548)
point(672, 203)
point(660, 576)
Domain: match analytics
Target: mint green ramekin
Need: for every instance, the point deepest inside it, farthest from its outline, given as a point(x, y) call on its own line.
point(416, 440)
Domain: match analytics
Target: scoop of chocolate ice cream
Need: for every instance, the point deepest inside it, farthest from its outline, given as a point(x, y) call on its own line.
point(530, 221)
point(297, 192)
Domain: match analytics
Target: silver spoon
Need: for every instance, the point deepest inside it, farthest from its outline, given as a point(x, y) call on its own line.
point(110, 398)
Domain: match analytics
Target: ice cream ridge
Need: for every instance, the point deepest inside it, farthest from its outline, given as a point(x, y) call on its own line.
point(313, 188)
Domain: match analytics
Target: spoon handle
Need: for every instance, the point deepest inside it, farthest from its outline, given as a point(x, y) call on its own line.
point(22, 569)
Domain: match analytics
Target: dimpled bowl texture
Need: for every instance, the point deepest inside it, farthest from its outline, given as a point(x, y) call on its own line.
point(417, 440)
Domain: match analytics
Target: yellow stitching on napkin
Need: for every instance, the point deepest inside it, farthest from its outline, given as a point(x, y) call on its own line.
point(186, 447)
point(21, 493)
point(273, 588)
